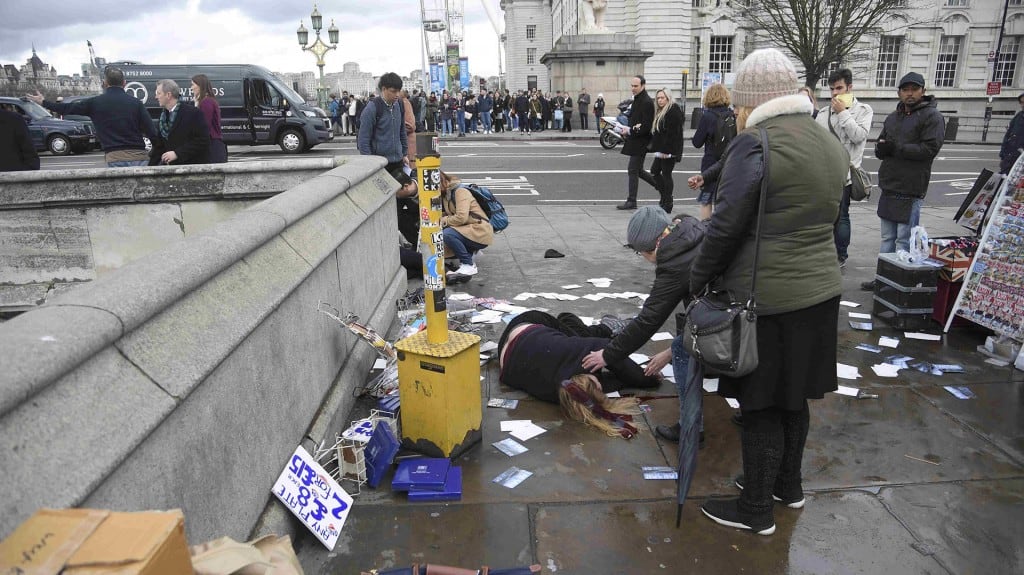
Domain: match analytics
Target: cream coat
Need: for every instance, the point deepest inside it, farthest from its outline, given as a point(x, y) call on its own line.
point(461, 213)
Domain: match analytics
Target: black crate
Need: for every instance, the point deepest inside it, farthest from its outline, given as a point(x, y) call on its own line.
point(902, 318)
point(906, 274)
point(904, 297)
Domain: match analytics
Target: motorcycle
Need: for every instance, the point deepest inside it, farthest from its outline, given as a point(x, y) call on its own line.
point(610, 137)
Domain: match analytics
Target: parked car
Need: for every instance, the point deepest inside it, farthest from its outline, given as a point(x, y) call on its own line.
point(60, 137)
point(83, 119)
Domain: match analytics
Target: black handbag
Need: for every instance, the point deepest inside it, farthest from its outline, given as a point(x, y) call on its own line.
point(860, 180)
point(720, 332)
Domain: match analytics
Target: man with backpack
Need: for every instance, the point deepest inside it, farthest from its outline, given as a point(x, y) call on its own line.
point(849, 120)
point(382, 125)
point(716, 129)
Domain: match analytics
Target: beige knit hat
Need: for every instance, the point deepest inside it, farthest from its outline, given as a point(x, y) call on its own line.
point(763, 75)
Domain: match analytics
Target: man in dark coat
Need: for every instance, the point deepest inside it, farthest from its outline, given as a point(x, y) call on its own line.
point(182, 135)
point(638, 137)
point(1013, 140)
point(910, 139)
point(17, 153)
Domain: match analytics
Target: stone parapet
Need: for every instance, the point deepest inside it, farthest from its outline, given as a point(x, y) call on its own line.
point(185, 379)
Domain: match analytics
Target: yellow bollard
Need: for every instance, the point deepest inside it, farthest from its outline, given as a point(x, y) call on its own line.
point(438, 370)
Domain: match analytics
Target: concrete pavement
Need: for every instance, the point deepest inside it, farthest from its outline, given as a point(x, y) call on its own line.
point(914, 481)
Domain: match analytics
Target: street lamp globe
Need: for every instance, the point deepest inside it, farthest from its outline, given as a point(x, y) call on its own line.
point(318, 20)
point(332, 33)
point(303, 35)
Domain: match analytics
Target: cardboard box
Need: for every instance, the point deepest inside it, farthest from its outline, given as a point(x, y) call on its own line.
point(955, 260)
point(91, 541)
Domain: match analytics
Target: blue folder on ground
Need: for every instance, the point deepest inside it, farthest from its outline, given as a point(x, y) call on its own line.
point(452, 490)
point(421, 473)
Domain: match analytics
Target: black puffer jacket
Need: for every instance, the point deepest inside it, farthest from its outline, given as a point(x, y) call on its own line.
point(913, 137)
point(675, 255)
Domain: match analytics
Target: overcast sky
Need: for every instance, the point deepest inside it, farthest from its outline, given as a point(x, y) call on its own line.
point(381, 35)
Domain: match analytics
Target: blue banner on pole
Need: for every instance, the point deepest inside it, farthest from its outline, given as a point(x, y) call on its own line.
point(464, 73)
point(436, 77)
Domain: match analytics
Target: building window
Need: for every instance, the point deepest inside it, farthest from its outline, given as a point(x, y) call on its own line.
point(956, 3)
point(1016, 2)
point(945, 65)
point(1006, 66)
point(720, 54)
point(531, 31)
point(531, 56)
point(695, 61)
point(888, 60)
point(832, 67)
point(531, 83)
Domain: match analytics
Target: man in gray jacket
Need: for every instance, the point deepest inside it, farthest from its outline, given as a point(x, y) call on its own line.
point(382, 125)
point(848, 119)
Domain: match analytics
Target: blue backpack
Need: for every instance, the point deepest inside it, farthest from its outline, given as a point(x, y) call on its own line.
point(492, 208)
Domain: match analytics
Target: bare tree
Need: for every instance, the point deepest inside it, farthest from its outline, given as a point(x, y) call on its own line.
point(820, 32)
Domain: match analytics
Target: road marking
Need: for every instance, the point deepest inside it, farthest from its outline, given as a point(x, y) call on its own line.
point(508, 156)
point(958, 193)
point(640, 201)
point(505, 186)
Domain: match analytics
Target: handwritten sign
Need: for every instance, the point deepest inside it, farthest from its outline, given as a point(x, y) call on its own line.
point(313, 496)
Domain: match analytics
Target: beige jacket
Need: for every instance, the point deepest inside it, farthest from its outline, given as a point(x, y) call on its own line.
point(465, 215)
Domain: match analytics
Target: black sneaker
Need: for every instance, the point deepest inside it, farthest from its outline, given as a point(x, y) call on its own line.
point(727, 512)
point(868, 286)
point(614, 323)
point(793, 502)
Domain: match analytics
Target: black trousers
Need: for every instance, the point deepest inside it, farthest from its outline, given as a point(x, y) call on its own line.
point(661, 172)
point(636, 165)
point(583, 120)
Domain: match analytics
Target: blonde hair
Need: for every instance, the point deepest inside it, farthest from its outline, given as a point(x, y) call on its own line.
point(717, 95)
point(659, 114)
point(742, 114)
point(623, 408)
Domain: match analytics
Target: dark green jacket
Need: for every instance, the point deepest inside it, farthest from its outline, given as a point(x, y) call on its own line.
point(807, 170)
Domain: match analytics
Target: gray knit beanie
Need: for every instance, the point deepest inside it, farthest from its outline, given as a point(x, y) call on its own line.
point(645, 227)
point(764, 75)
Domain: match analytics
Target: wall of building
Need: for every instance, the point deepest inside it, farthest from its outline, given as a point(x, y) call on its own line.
point(518, 15)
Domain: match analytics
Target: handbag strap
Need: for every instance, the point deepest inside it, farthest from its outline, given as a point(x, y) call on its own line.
point(752, 303)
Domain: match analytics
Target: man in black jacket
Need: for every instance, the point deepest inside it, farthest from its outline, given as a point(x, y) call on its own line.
point(183, 136)
point(120, 120)
point(1013, 140)
point(911, 138)
point(672, 249)
point(17, 153)
point(638, 137)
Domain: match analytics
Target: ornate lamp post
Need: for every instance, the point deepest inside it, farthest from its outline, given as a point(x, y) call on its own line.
point(319, 49)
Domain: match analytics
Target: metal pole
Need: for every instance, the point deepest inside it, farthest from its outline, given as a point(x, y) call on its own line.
point(995, 71)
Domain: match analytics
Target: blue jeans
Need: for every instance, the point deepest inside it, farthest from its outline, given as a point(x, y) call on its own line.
point(461, 246)
point(127, 164)
point(557, 123)
point(485, 118)
point(446, 126)
point(896, 236)
point(462, 121)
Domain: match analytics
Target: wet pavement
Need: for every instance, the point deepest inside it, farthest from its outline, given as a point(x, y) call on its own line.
point(915, 481)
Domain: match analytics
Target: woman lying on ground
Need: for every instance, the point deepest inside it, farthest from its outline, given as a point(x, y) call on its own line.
point(542, 355)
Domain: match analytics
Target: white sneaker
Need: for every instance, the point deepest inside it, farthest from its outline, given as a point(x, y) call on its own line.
point(466, 270)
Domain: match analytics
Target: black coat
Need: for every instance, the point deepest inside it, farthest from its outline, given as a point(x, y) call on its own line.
point(17, 153)
point(189, 138)
point(1012, 143)
point(641, 118)
point(913, 137)
point(669, 137)
point(675, 255)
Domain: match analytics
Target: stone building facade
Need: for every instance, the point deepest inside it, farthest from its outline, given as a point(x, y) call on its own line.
point(950, 42)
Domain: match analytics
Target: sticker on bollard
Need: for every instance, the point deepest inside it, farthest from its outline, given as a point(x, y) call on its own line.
point(313, 496)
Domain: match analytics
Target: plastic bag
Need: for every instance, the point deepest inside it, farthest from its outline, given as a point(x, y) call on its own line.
point(920, 247)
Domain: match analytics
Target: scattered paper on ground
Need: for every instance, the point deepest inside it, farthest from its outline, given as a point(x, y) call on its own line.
point(733, 403)
point(668, 372)
point(849, 303)
point(659, 472)
point(924, 336)
point(528, 431)
point(661, 336)
point(600, 282)
point(594, 296)
point(960, 391)
point(639, 357)
point(488, 346)
point(847, 371)
point(512, 424)
point(509, 308)
point(588, 320)
point(711, 385)
point(460, 296)
point(861, 325)
point(997, 362)
point(510, 447)
point(512, 476)
point(380, 363)
point(856, 315)
point(885, 341)
point(572, 286)
point(885, 370)
point(845, 390)
point(613, 394)
point(869, 347)
point(503, 403)
point(523, 296)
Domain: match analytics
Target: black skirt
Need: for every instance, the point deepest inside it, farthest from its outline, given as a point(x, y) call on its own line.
point(796, 359)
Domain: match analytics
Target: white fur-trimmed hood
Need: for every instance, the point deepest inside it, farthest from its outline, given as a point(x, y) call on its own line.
point(781, 106)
